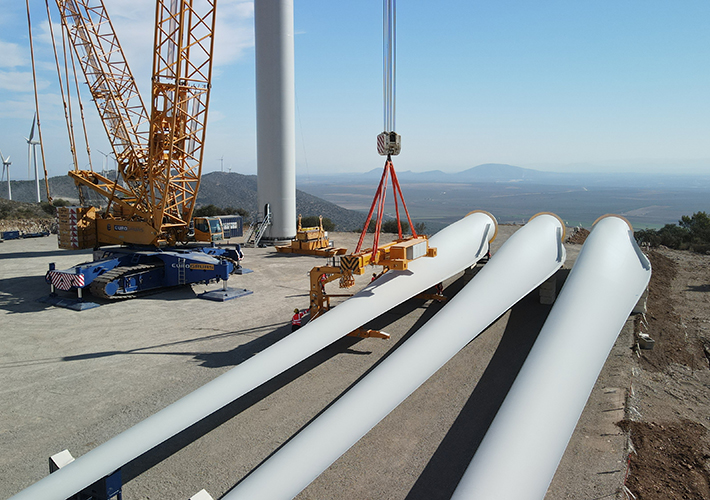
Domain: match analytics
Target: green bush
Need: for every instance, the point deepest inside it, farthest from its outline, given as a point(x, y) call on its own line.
point(48, 208)
point(648, 236)
point(691, 232)
point(212, 211)
point(390, 226)
point(313, 221)
point(698, 226)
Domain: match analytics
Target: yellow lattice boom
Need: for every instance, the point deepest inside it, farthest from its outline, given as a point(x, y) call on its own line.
point(159, 155)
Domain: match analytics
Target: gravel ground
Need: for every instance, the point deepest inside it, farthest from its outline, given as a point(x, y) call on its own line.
point(73, 380)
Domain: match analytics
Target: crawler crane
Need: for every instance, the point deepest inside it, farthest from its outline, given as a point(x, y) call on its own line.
point(159, 155)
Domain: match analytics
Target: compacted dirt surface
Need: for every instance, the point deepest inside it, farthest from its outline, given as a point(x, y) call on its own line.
point(667, 414)
point(74, 380)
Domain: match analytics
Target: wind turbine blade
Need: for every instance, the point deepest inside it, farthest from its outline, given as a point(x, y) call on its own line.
point(32, 130)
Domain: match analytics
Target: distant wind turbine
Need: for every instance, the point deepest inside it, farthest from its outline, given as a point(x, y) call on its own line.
point(104, 165)
point(32, 148)
point(6, 168)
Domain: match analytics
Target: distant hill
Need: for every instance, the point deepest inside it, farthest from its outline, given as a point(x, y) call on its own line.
point(488, 172)
point(501, 173)
point(498, 172)
point(223, 189)
point(25, 191)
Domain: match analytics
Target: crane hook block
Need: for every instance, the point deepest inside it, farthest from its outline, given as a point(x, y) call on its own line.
point(389, 143)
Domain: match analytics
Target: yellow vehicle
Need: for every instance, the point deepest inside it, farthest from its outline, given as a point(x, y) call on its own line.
point(311, 241)
point(217, 228)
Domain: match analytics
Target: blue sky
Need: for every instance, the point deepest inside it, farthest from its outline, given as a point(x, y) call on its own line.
point(554, 85)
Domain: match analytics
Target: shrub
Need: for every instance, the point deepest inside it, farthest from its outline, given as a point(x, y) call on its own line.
point(212, 211)
point(48, 208)
point(313, 221)
point(648, 236)
point(698, 227)
point(691, 232)
point(390, 226)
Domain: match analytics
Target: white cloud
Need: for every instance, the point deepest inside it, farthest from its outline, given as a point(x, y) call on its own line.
point(20, 81)
point(12, 55)
point(134, 21)
point(17, 108)
point(234, 30)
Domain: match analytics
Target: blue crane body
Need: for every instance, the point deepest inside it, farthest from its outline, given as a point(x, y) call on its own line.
point(124, 272)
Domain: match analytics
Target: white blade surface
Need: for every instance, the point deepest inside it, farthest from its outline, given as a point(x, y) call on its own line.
point(523, 446)
point(528, 257)
point(459, 246)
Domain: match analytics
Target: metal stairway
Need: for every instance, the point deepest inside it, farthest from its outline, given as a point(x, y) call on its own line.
point(259, 228)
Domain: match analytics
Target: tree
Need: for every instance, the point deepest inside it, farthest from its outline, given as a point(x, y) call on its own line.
point(698, 227)
point(390, 226)
point(648, 236)
point(51, 208)
point(237, 211)
point(213, 211)
point(313, 221)
point(674, 236)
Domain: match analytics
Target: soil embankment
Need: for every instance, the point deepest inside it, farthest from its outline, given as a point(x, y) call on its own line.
point(669, 400)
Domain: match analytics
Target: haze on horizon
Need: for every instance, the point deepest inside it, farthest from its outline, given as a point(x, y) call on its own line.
point(552, 85)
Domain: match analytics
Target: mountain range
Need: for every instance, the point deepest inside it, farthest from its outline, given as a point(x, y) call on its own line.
point(503, 173)
point(221, 189)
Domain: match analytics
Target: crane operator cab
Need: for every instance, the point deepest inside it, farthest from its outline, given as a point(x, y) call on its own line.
point(218, 228)
point(208, 229)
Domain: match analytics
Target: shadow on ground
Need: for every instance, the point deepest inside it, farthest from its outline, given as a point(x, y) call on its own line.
point(20, 294)
point(448, 464)
point(233, 357)
point(47, 253)
point(241, 353)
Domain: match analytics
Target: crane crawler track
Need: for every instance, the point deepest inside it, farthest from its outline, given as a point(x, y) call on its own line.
point(98, 286)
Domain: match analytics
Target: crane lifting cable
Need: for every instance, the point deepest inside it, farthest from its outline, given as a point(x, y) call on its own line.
point(397, 254)
point(39, 128)
point(388, 142)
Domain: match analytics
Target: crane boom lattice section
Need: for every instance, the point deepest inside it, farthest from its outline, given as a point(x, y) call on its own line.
point(182, 66)
point(110, 81)
point(159, 155)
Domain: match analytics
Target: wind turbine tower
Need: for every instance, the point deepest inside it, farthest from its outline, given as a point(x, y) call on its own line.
point(275, 115)
point(32, 151)
point(6, 168)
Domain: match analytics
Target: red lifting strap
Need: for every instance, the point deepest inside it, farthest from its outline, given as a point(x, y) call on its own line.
point(379, 203)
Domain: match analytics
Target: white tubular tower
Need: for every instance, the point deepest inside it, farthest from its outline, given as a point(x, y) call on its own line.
point(523, 446)
point(275, 115)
